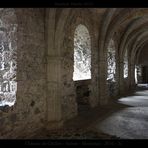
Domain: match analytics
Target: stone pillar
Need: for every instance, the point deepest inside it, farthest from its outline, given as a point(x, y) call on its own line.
point(121, 80)
point(117, 78)
point(132, 77)
point(94, 87)
point(103, 83)
point(53, 92)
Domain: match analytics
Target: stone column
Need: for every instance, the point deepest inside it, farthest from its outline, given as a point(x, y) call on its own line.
point(54, 118)
point(117, 78)
point(132, 77)
point(94, 87)
point(103, 83)
point(121, 80)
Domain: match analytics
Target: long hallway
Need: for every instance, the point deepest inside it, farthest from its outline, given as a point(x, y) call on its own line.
point(130, 122)
point(65, 72)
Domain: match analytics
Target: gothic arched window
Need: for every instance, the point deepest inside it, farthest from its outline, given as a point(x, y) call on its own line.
point(82, 54)
point(111, 61)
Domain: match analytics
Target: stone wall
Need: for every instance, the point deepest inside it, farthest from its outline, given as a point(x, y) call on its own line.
point(83, 92)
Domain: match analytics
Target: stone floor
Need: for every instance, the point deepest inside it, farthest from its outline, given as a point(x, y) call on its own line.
point(126, 118)
point(132, 121)
point(81, 127)
point(74, 134)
